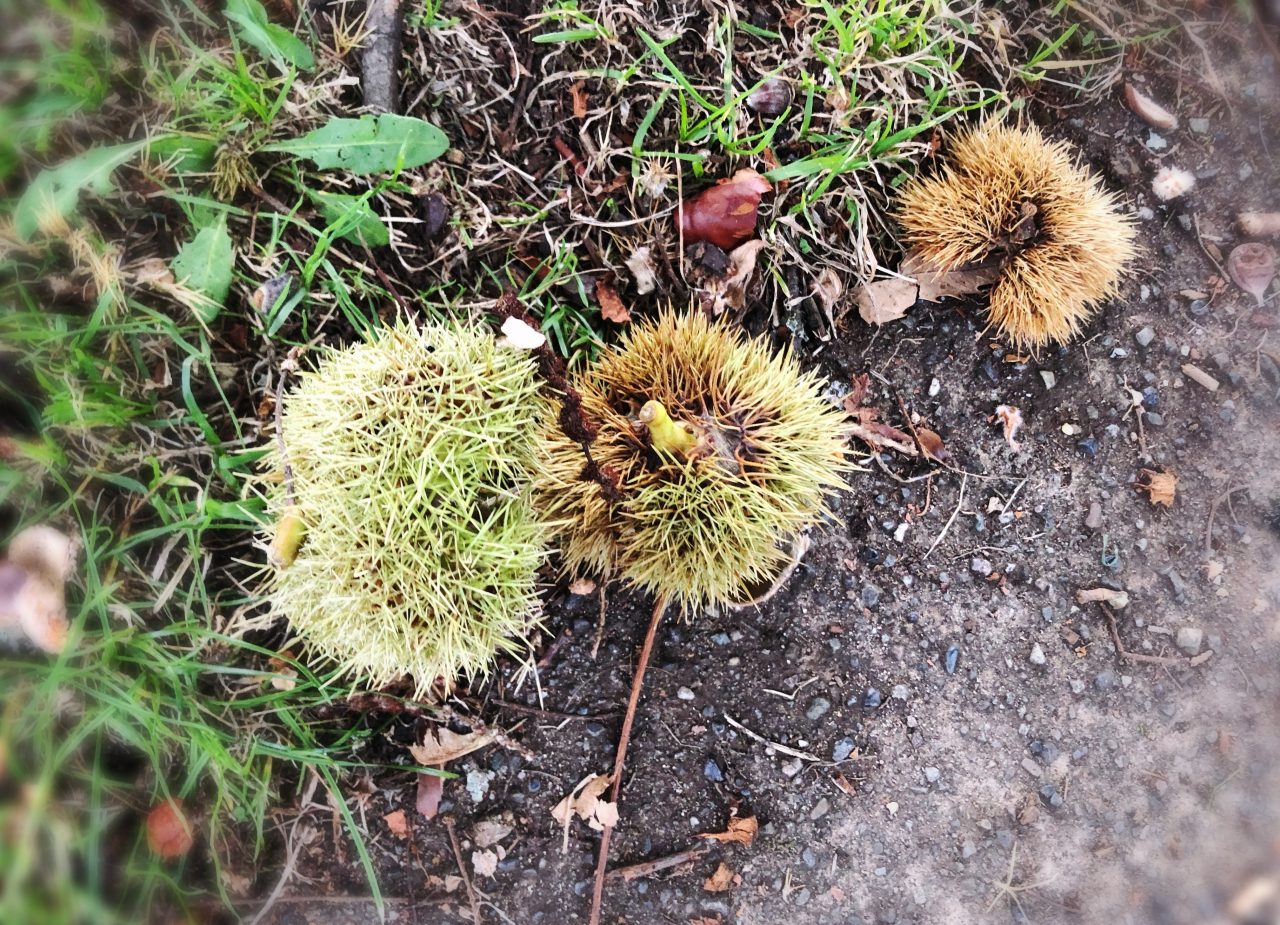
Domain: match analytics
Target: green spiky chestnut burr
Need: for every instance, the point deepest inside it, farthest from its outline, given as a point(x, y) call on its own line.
point(403, 537)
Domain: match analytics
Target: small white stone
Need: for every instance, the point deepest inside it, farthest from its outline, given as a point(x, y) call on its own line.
point(684, 693)
point(1037, 655)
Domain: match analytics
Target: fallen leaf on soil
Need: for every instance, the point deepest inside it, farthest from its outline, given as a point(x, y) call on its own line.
point(1109, 596)
point(843, 783)
point(169, 833)
point(1011, 418)
point(584, 801)
point(484, 863)
point(886, 300)
point(284, 677)
point(1148, 110)
point(579, 96)
point(611, 307)
point(397, 823)
point(640, 263)
point(731, 291)
point(1161, 487)
point(442, 745)
point(724, 214)
point(520, 335)
point(582, 586)
point(489, 832)
point(1252, 268)
point(719, 881)
point(742, 831)
point(827, 289)
point(867, 426)
point(936, 285)
point(430, 790)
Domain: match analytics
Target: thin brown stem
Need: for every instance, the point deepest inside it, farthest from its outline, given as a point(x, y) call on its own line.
point(637, 684)
point(462, 869)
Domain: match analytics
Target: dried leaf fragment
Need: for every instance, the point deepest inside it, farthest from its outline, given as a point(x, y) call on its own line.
point(489, 832)
point(741, 830)
point(730, 291)
point(720, 880)
point(1011, 418)
point(642, 268)
point(1161, 487)
point(397, 823)
point(579, 96)
point(584, 801)
point(937, 284)
point(442, 745)
point(611, 307)
point(169, 832)
point(484, 863)
point(1252, 268)
point(1109, 596)
point(886, 300)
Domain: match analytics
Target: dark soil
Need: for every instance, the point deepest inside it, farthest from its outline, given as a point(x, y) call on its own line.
point(978, 783)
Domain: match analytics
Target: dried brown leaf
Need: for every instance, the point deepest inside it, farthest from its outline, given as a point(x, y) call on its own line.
point(742, 831)
point(1161, 487)
point(582, 586)
point(1011, 418)
point(937, 284)
point(442, 745)
point(720, 881)
point(584, 801)
point(886, 300)
point(397, 823)
point(578, 94)
point(611, 307)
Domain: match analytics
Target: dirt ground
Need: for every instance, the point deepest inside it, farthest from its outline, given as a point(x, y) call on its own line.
point(983, 752)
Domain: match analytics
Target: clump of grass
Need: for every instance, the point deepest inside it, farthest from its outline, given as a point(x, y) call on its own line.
point(1009, 197)
point(722, 454)
point(406, 460)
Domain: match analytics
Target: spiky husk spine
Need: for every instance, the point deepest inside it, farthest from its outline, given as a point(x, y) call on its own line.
point(409, 458)
point(702, 526)
point(1076, 244)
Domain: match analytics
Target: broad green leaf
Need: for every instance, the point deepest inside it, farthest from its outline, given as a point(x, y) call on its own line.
point(185, 153)
point(370, 144)
point(272, 40)
point(57, 190)
point(204, 265)
point(362, 224)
